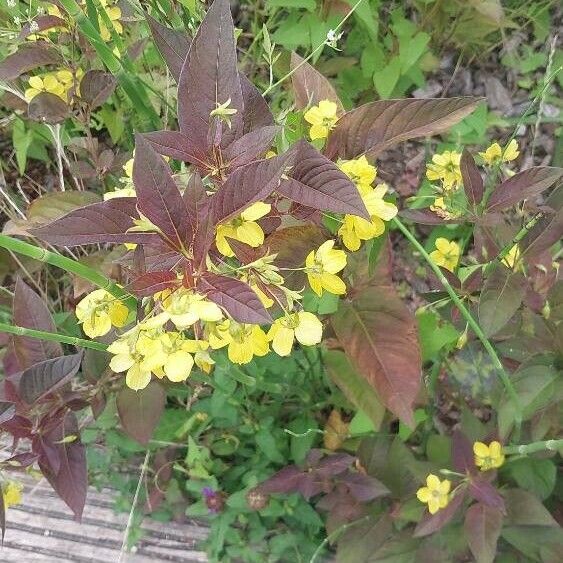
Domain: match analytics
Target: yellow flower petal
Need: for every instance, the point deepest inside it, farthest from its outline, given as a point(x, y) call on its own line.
point(256, 211)
point(309, 331)
point(282, 340)
point(137, 379)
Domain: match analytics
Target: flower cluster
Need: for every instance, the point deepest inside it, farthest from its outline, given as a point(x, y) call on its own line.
point(60, 83)
point(12, 493)
point(447, 253)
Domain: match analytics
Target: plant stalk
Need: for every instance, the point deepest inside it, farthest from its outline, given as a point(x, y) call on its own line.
point(470, 321)
point(70, 265)
point(526, 449)
point(52, 336)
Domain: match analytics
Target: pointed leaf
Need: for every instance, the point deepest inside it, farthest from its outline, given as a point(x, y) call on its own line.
point(431, 523)
point(236, 297)
point(318, 183)
point(140, 411)
point(30, 311)
point(379, 335)
point(178, 146)
point(48, 108)
point(482, 490)
point(376, 126)
point(472, 180)
point(26, 58)
point(524, 185)
point(501, 297)
point(158, 196)
point(40, 23)
point(250, 147)
point(210, 78)
point(524, 509)
point(256, 111)
point(96, 87)
point(152, 282)
point(70, 480)
point(107, 221)
point(247, 185)
point(173, 45)
point(310, 86)
point(482, 528)
point(46, 377)
point(7, 411)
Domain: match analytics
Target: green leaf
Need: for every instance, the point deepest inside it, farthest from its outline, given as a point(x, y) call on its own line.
point(386, 79)
point(535, 475)
point(299, 446)
point(267, 443)
point(21, 140)
point(361, 424)
point(356, 389)
point(292, 4)
point(412, 49)
point(524, 509)
point(434, 337)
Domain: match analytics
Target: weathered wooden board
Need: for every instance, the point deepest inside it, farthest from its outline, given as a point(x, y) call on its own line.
point(42, 529)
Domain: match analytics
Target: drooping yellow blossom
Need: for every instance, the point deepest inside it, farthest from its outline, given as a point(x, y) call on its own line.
point(301, 326)
point(98, 311)
point(512, 259)
point(12, 493)
point(244, 341)
point(178, 352)
point(322, 119)
point(360, 171)
point(488, 457)
point(435, 494)
point(322, 266)
point(495, 153)
point(259, 275)
point(446, 254)
point(355, 229)
point(184, 307)
point(445, 167)
point(243, 228)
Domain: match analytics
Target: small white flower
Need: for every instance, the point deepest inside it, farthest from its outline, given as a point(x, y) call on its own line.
point(17, 20)
point(11, 3)
point(33, 27)
point(332, 39)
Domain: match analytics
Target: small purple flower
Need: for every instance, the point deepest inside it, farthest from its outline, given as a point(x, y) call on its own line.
point(213, 499)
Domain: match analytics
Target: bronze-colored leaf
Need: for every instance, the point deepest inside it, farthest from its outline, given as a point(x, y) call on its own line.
point(472, 180)
point(96, 87)
point(26, 58)
point(48, 108)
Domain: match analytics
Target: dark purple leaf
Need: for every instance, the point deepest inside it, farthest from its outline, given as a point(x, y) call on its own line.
point(140, 411)
point(524, 185)
point(376, 126)
point(46, 377)
point(482, 528)
point(472, 180)
point(547, 231)
point(158, 197)
point(431, 523)
point(173, 45)
point(363, 487)
point(482, 490)
point(96, 87)
point(7, 411)
point(332, 465)
point(236, 297)
point(250, 147)
point(152, 282)
point(107, 221)
point(317, 182)
point(286, 480)
point(70, 478)
point(195, 199)
point(256, 111)
point(41, 23)
point(247, 185)
point(26, 58)
point(30, 311)
point(210, 78)
point(310, 86)
point(177, 145)
point(48, 108)
point(20, 462)
point(501, 297)
point(463, 458)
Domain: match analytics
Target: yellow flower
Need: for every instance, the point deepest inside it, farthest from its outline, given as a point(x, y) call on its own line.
point(446, 254)
point(12, 493)
point(355, 229)
point(128, 168)
point(488, 457)
point(495, 153)
point(435, 494)
point(441, 209)
point(511, 260)
point(360, 171)
point(445, 167)
point(302, 326)
point(322, 266)
point(184, 308)
point(243, 228)
point(114, 14)
point(244, 341)
point(322, 119)
point(46, 83)
point(179, 361)
point(98, 311)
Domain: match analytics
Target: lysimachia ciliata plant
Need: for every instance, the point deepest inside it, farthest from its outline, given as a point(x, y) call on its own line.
point(223, 254)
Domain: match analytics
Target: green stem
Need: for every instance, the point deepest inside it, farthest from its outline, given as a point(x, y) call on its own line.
point(470, 321)
point(53, 336)
point(69, 265)
point(313, 52)
point(526, 449)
